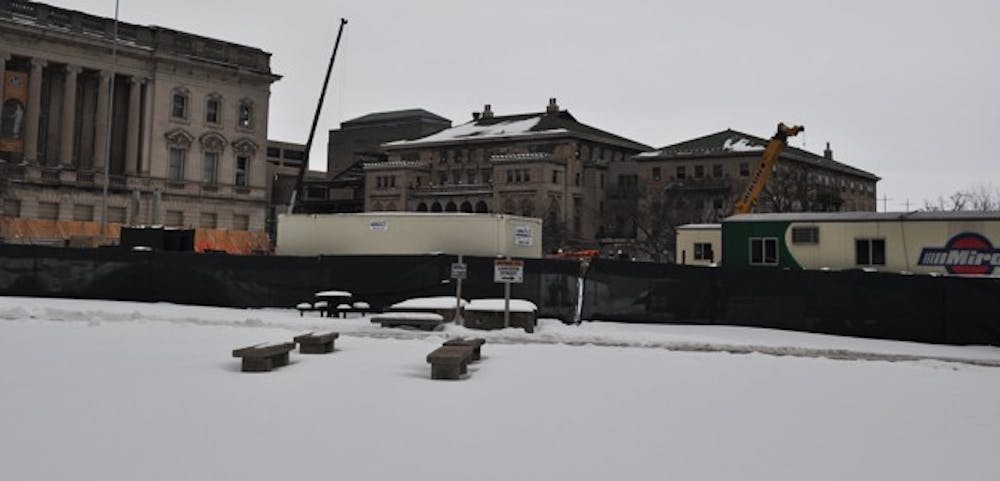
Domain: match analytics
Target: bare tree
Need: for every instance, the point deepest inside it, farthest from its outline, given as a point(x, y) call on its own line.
point(982, 198)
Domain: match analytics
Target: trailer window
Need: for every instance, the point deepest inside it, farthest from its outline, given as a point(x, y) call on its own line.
point(869, 252)
point(805, 235)
point(763, 251)
point(703, 252)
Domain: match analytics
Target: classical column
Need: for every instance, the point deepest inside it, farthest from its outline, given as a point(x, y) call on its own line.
point(33, 114)
point(101, 122)
point(132, 136)
point(67, 134)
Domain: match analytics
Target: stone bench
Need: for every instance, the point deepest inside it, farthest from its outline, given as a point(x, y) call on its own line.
point(264, 357)
point(419, 320)
point(474, 344)
point(450, 362)
point(316, 342)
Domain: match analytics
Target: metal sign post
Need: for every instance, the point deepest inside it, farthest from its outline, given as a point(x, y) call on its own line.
point(507, 271)
point(458, 272)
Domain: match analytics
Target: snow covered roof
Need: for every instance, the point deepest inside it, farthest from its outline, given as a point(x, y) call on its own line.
point(731, 142)
point(541, 124)
point(862, 216)
point(699, 227)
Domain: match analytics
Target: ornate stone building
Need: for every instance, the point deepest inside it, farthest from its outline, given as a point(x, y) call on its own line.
point(185, 145)
point(544, 164)
point(699, 180)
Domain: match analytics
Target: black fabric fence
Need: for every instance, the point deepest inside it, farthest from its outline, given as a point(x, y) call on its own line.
point(890, 306)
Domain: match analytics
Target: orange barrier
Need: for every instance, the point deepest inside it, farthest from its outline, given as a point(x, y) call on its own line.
point(72, 233)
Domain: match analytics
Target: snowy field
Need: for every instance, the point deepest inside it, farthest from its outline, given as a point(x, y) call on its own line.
point(130, 391)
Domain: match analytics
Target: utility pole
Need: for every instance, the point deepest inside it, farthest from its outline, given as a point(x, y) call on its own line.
point(885, 203)
point(312, 132)
point(107, 139)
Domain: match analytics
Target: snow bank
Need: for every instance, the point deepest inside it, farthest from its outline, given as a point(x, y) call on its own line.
point(439, 302)
point(497, 305)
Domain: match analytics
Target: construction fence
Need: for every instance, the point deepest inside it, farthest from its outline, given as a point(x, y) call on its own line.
point(949, 310)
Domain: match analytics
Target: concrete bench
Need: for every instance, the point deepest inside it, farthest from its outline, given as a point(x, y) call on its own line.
point(264, 357)
point(316, 342)
point(419, 320)
point(474, 344)
point(450, 362)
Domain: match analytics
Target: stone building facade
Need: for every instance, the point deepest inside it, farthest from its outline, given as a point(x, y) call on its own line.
point(545, 164)
point(185, 145)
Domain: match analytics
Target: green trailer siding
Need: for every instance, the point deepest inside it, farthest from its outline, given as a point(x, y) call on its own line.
point(736, 243)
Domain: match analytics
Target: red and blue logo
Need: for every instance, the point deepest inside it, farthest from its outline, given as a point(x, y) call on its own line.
point(967, 253)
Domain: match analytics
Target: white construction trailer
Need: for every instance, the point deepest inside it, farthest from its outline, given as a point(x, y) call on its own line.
point(699, 244)
point(409, 233)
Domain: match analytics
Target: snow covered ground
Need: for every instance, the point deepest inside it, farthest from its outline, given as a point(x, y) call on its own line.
point(126, 391)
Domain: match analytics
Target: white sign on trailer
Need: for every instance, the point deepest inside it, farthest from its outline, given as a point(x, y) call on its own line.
point(522, 236)
point(459, 270)
point(506, 270)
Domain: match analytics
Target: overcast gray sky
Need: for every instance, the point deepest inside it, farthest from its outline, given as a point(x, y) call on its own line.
point(906, 89)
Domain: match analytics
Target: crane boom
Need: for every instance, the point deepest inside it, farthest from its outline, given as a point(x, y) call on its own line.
point(759, 178)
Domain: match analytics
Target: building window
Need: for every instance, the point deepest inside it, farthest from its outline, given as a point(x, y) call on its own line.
point(48, 210)
point(12, 208)
point(744, 169)
point(703, 252)
point(869, 252)
point(179, 104)
point(176, 168)
point(717, 203)
point(242, 170)
point(656, 173)
point(699, 171)
point(527, 175)
point(174, 218)
point(555, 176)
point(457, 175)
point(470, 176)
point(805, 235)
point(763, 251)
point(241, 222)
point(717, 170)
point(510, 176)
point(681, 172)
point(213, 109)
point(578, 179)
point(83, 212)
point(443, 177)
point(208, 220)
point(244, 114)
point(487, 175)
point(210, 175)
point(117, 214)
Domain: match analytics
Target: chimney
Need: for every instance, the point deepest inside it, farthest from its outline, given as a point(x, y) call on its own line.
point(828, 153)
point(475, 116)
point(487, 111)
point(553, 106)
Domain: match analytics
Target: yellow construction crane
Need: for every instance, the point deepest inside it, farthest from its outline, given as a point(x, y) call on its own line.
point(759, 178)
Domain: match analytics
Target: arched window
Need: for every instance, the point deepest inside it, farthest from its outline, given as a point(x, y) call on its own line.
point(508, 207)
point(436, 207)
point(451, 207)
point(422, 207)
point(482, 208)
point(466, 207)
